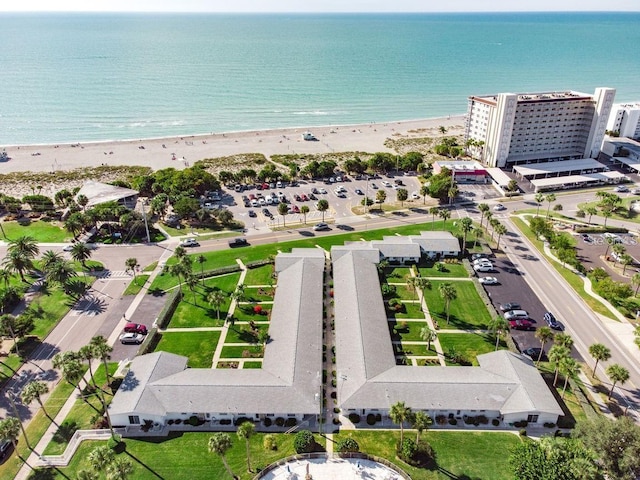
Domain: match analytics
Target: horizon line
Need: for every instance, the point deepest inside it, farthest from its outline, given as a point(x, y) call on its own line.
point(323, 12)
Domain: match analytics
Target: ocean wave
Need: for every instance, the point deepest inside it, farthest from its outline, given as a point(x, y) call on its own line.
point(319, 113)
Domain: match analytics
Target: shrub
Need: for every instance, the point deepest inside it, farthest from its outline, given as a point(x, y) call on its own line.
point(549, 425)
point(407, 450)
point(304, 442)
point(280, 422)
point(557, 207)
point(440, 267)
point(169, 307)
point(194, 421)
point(348, 445)
point(179, 421)
point(441, 419)
point(267, 422)
point(523, 432)
point(269, 442)
point(224, 421)
point(290, 422)
point(495, 422)
point(239, 421)
point(114, 441)
point(371, 419)
point(520, 424)
point(354, 418)
point(453, 421)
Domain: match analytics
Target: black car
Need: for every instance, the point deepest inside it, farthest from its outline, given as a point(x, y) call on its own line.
point(266, 212)
point(238, 242)
point(507, 307)
point(534, 352)
point(553, 322)
point(252, 213)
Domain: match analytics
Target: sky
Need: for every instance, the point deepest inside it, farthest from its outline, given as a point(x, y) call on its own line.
point(248, 6)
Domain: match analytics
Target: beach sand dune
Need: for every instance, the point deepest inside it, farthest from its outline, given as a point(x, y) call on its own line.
point(183, 151)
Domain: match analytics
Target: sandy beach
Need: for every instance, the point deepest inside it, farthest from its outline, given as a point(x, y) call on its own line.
point(179, 152)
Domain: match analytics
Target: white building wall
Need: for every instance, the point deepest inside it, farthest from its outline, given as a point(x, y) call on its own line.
point(604, 103)
point(625, 118)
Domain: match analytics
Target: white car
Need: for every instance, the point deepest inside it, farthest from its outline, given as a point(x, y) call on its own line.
point(385, 183)
point(621, 189)
point(484, 267)
point(322, 190)
point(415, 196)
point(480, 261)
point(499, 207)
point(488, 280)
point(189, 242)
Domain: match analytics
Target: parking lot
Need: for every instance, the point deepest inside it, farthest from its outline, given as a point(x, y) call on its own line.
point(591, 250)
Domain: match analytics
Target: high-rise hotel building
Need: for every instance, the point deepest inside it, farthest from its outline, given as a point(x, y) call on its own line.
point(625, 119)
point(537, 127)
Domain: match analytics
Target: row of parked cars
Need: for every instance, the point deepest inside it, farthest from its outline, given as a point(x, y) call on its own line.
point(134, 334)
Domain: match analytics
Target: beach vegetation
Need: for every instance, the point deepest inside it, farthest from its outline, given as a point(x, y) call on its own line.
point(449, 147)
point(382, 162)
point(440, 184)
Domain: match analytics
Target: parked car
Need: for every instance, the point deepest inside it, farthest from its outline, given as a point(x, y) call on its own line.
point(135, 328)
point(506, 307)
point(477, 256)
point(294, 209)
point(499, 207)
point(485, 267)
point(534, 353)
point(267, 213)
point(415, 196)
point(553, 322)
point(189, 242)
point(238, 242)
point(5, 449)
point(479, 261)
point(320, 226)
point(131, 338)
point(636, 191)
point(385, 184)
point(612, 237)
point(359, 192)
point(488, 280)
point(322, 191)
point(374, 186)
point(586, 237)
point(521, 324)
point(621, 189)
point(252, 213)
point(515, 314)
point(314, 190)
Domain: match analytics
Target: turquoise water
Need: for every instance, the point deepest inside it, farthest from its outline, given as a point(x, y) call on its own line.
point(77, 77)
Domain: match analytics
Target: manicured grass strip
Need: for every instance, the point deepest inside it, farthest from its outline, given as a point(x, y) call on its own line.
point(252, 365)
point(258, 294)
point(243, 334)
point(457, 454)
point(259, 276)
point(197, 346)
point(572, 279)
point(470, 345)
point(239, 351)
point(407, 331)
point(185, 456)
point(466, 312)
point(245, 313)
point(41, 232)
point(410, 310)
point(136, 285)
point(419, 350)
point(451, 270)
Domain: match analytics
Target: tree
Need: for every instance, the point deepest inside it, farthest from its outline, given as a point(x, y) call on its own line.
point(192, 282)
point(131, 264)
point(304, 209)
point(557, 354)
point(448, 293)
point(179, 270)
point(400, 413)
point(433, 211)
point(102, 350)
point(100, 457)
point(550, 198)
point(411, 285)
point(466, 225)
point(119, 469)
point(569, 368)
point(71, 367)
point(428, 335)
point(539, 198)
point(82, 200)
point(498, 325)
point(216, 298)
point(484, 209)
point(381, 196)
point(220, 443)
point(625, 260)
point(245, 432)
point(590, 210)
point(80, 252)
point(617, 374)
point(635, 281)
point(48, 258)
point(87, 475)
point(599, 352)
point(500, 230)
point(424, 191)
point(444, 214)
point(60, 272)
point(616, 444)
point(283, 209)
point(402, 194)
point(564, 340)
point(9, 430)
point(422, 284)
point(304, 442)
point(17, 262)
point(544, 334)
point(421, 422)
point(24, 245)
point(322, 206)
point(477, 234)
point(347, 445)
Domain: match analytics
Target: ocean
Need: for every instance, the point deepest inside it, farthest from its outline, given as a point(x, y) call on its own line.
point(80, 77)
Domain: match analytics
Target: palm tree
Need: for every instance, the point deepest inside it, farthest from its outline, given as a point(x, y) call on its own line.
point(180, 252)
point(100, 457)
point(87, 353)
point(8, 325)
point(87, 475)
point(448, 293)
point(304, 209)
point(635, 281)
point(477, 234)
point(500, 229)
point(444, 214)
point(60, 272)
point(82, 200)
point(323, 206)
point(411, 284)
point(283, 209)
point(498, 325)
point(484, 209)
point(201, 259)
point(433, 211)
point(71, 367)
point(9, 430)
point(564, 340)
point(192, 282)
point(246, 431)
point(33, 391)
point(557, 354)
point(119, 469)
point(422, 284)
point(102, 350)
point(550, 197)
point(24, 245)
point(544, 334)
point(428, 335)
point(399, 413)
point(424, 191)
point(80, 252)
point(625, 260)
point(599, 352)
point(617, 374)
point(131, 264)
point(178, 270)
point(466, 225)
point(421, 422)
point(570, 369)
point(381, 196)
point(220, 443)
point(216, 298)
point(590, 210)
point(17, 262)
point(5, 277)
point(49, 258)
point(539, 198)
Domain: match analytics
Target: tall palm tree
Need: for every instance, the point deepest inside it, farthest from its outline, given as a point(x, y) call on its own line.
point(433, 211)
point(9, 430)
point(60, 272)
point(192, 282)
point(102, 350)
point(498, 325)
point(570, 369)
point(323, 206)
point(400, 413)
point(71, 367)
point(617, 374)
point(590, 210)
point(411, 284)
point(24, 245)
point(8, 325)
point(5, 277)
point(544, 334)
point(178, 270)
point(304, 209)
point(557, 354)
point(33, 391)
point(550, 198)
point(216, 298)
point(635, 281)
point(80, 252)
point(500, 229)
point(131, 264)
point(283, 209)
point(564, 340)
point(448, 293)
point(539, 199)
point(466, 225)
point(17, 262)
point(120, 469)
point(87, 353)
point(484, 209)
point(477, 234)
point(428, 335)
point(422, 284)
point(444, 214)
point(245, 432)
point(220, 443)
point(421, 422)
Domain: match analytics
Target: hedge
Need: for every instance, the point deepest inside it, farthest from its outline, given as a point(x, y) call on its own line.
point(259, 263)
point(602, 229)
point(169, 307)
point(217, 271)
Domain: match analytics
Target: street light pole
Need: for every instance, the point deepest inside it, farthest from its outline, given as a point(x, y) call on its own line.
point(146, 225)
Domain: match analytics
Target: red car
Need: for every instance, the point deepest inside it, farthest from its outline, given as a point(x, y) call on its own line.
point(295, 209)
point(521, 324)
point(304, 198)
point(135, 328)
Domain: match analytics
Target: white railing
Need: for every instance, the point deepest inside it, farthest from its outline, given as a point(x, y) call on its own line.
point(78, 437)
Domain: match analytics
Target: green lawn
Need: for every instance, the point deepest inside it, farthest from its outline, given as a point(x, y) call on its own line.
point(185, 456)
point(451, 270)
point(410, 310)
point(259, 276)
point(470, 345)
point(42, 232)
point(403, 292)
point(259, 294)
point(397, 274)
point(238, 351)
point(419, 350)
point(245, 313)
point(458, 455)
point(622, 212)
point(467, 311)
point(198, 346)
point(136, 285)
point(252, 365)
point(408, 331)
point(243, 334)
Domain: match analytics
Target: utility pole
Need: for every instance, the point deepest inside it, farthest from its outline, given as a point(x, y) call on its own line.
point(146, 225)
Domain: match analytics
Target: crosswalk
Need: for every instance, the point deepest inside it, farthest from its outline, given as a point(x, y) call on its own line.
point(113, 274)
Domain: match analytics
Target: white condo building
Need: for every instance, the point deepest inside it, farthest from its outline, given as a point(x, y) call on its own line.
point(538, 127)
point(625, 119)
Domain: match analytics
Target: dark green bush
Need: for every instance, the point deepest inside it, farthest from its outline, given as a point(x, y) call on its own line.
point(354, 418)
point(348, 445)
point(304, 442)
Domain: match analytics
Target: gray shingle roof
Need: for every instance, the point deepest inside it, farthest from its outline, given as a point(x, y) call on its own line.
point(98, 192)
point(436, 241)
